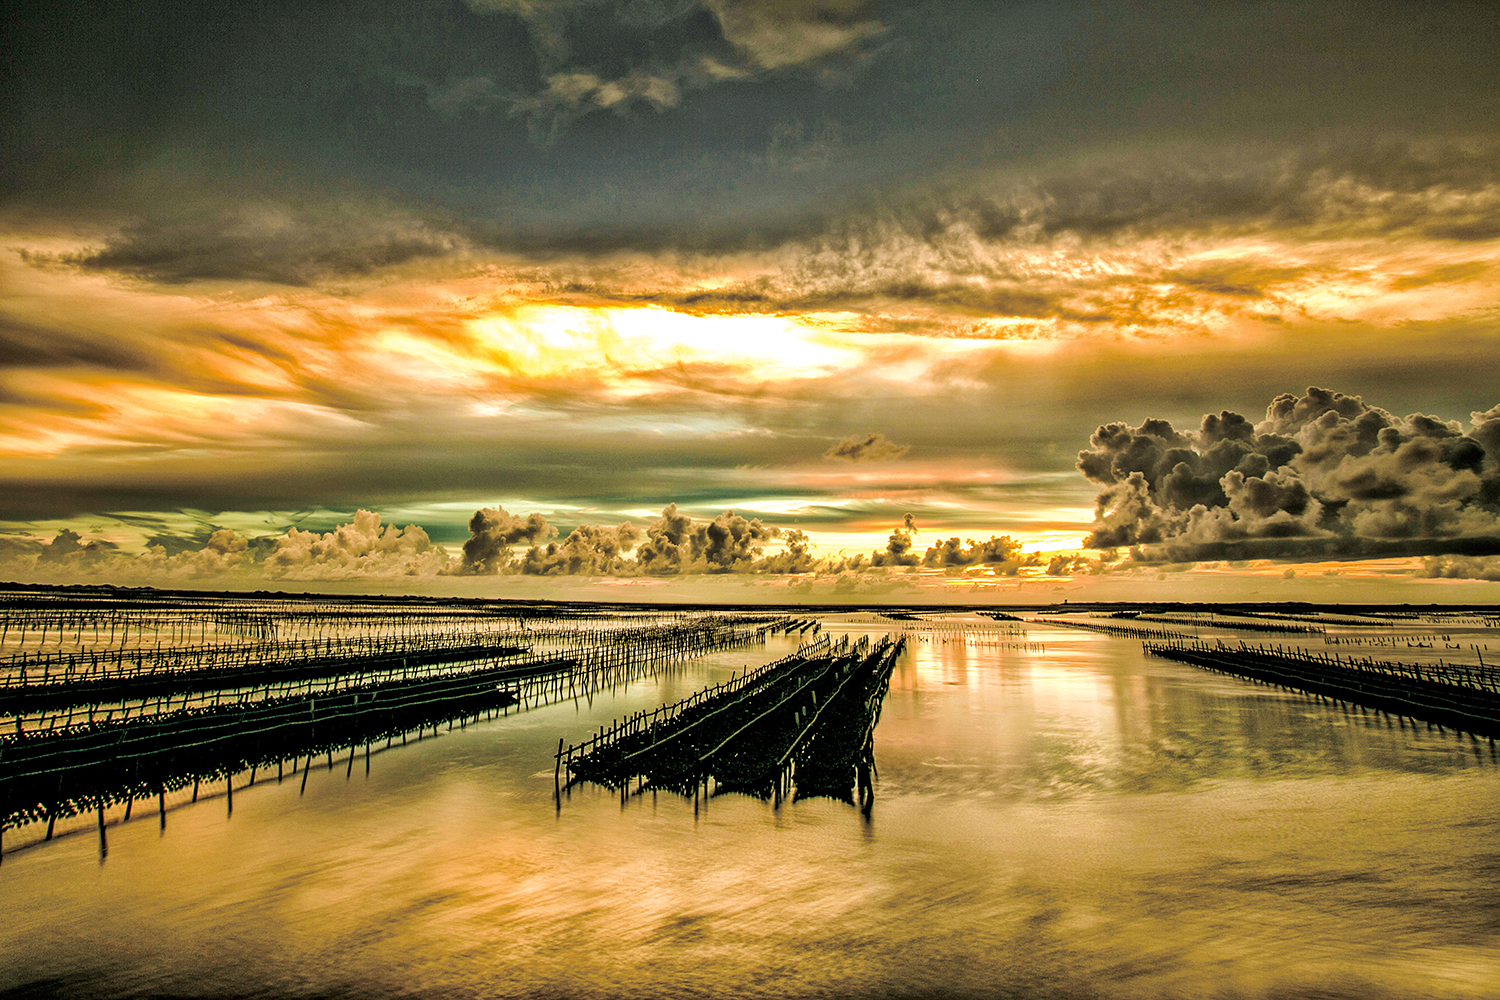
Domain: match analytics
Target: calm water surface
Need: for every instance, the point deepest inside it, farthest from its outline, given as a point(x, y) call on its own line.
point(1079, 822)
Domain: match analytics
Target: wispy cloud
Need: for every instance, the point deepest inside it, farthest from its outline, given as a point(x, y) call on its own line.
point(670, 49)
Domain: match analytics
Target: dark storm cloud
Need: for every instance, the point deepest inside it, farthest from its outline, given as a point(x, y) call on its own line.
point(427, 454)
point(1324, 474)
point(958, 250)
point(684, 118)
point(1112, 242)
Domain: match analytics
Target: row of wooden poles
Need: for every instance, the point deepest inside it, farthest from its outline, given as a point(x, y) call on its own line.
point(610, 735)
point(112, 628)
point(748, 734)
point(68, 771)
point(252, 666)
point(46, 707)
point(1238, 626)
point(1460, 675)
point(1452, 695)
point(431, 633)
point(601, 650)
point(1119, 631)
point(1391, 641)
point(129, 660)
point(272, 678)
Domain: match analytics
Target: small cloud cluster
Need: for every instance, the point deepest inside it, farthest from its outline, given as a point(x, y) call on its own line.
point(1064, 564)
point(870, 448)
point(1000, 554)
point(1323, 474)
point(674, 544)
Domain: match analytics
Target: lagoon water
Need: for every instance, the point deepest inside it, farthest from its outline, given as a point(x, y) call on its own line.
point(1080, 821)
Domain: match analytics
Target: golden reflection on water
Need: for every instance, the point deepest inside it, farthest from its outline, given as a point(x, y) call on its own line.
point(1082, 822)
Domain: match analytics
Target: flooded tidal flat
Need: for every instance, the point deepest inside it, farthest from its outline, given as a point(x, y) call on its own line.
point(1055, 815)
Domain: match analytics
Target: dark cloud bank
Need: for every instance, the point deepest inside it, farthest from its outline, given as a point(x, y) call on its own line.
point(1324, 475)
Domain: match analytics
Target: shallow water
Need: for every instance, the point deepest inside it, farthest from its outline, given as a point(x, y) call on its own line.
point(1075, 822)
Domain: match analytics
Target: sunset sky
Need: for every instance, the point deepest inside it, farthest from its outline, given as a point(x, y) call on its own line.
point(463, 297)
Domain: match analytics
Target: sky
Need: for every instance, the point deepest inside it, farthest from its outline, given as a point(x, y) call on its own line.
point(754, 300)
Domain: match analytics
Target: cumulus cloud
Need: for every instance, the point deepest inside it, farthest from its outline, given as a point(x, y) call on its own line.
point(1460, 568)
point(68, 547)
point(870, 448)
point(898, 548)
point(674, 544)
point(69, 557)
point(1067, 565)
point(796, 556)
point(1323, 473)
point(492, 531)
point(589, 550)
point(500, 543)
point(360, 549)
point(1001, 554)
point(729, 543)
point(226, 554)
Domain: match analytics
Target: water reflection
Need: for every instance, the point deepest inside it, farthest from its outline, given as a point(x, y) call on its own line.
point(1080, 823)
